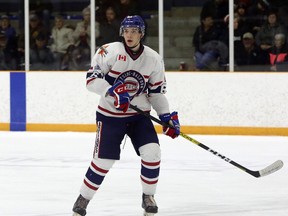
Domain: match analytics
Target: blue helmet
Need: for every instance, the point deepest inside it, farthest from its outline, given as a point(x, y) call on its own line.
point(132, 21)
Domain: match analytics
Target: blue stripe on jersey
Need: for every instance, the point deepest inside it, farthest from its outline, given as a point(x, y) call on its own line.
point(17, 101)
point(157, 90)
point(110, 79)
point(150, 173)
point(94, 177)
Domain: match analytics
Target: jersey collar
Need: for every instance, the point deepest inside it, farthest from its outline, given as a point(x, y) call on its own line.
point(132, 54)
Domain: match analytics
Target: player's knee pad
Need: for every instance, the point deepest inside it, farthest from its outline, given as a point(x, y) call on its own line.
point(150, 152)
point(103, 163)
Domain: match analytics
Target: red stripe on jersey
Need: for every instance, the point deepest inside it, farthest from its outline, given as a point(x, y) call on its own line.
point(120, 114)
point(118, 73)
point(98, 168)
point(115, 72)
point(117, 114)
point(149, 182)
point(90, 186)
point(88, 81)
point(155, 84)
point(150, 163)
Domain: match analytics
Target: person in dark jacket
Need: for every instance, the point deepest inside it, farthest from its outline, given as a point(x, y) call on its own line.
point(8, 46)
point(109, 29)
point(41, 57)
point(248, 56)
point(206, 56)
point(265, 36)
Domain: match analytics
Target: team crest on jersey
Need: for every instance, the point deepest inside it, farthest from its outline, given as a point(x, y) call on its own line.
point(134, 81)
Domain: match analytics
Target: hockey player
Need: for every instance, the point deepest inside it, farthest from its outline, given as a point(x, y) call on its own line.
point(123, 73)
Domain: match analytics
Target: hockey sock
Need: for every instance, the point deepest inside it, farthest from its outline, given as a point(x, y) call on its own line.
point(150, 167)
point(95, 176)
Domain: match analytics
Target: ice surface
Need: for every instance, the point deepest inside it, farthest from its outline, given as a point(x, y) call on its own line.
point(41, 173)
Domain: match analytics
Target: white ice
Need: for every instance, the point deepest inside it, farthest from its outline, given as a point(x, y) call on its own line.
point(41, 173)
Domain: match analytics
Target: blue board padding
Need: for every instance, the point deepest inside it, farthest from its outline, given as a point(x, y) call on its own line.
point(17, 101)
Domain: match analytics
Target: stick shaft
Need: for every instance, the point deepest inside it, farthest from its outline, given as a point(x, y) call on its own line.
point(276, 166)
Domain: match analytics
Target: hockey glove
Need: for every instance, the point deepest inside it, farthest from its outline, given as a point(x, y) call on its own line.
point(171, 119)
point(121, 96)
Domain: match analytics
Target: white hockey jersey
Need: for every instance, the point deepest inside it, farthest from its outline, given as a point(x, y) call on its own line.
point(143, 74)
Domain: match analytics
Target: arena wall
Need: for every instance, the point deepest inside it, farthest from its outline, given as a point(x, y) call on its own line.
point(208, 103)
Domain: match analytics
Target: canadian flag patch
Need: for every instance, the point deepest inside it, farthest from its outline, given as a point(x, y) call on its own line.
point(122, 58)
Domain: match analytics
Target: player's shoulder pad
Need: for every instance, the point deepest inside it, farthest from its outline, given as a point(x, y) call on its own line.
point(110, 48)
point(150, 51)
point(153, 57)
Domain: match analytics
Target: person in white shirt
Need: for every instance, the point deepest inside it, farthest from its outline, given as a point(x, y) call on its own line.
point(80, 55)
point(62, 40)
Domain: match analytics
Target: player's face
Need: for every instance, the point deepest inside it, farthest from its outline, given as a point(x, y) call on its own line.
point(132, 36)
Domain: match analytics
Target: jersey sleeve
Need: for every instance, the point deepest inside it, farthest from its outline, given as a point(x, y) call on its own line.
point(157, 88)
point(100, 66)
point(157, 80)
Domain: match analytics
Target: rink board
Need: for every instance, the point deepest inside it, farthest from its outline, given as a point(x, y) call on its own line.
point(207, 103)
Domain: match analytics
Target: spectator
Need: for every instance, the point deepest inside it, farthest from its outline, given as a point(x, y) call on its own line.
point(43, 9)
point(101, 6)
point(217, 9)
point(80, 54)
point(265, 36)
point(10, 50)
point(282, 6)
point(239, 29)
point(41, 57)
point(257, 14)
point(36, 26)
point(241, 11)
point(127, 8)
point(249, 57)
point(8, 59)
point(122, 8)
point(109, 29)
point(7, 28)
point(206, 56)
point(61, 40)
point(278, 53)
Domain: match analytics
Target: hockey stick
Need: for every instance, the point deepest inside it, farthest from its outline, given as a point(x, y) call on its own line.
point(263, 172)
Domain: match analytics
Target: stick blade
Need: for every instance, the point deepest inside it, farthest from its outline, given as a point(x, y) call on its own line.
point(277, 165)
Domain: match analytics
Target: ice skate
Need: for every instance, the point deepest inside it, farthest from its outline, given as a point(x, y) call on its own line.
point(79, 208)
point(149, 205)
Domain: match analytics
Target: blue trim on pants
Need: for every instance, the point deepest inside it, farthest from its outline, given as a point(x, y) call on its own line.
point(17, 101)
